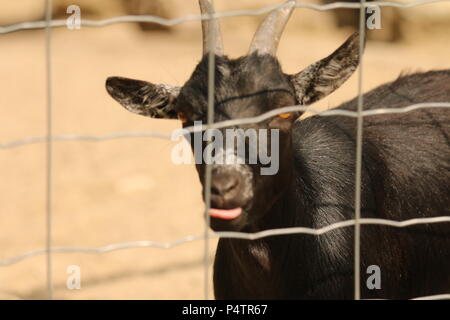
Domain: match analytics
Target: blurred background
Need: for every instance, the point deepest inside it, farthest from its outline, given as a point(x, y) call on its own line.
point(128, 189)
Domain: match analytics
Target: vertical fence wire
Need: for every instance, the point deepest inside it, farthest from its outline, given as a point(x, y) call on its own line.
point(358, 162)
point(49, 149)
point(211, 88)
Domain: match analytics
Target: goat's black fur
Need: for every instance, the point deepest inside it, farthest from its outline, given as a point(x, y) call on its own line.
point(405, 175)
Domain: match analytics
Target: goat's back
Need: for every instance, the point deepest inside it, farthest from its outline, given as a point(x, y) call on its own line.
point(407, 154)
point(405, 175)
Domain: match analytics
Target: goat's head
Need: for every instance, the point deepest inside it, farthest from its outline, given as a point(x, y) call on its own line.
point(244, 87)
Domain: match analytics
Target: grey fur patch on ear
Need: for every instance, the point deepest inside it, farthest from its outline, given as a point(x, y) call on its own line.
point(323, 77)
point(143, 98)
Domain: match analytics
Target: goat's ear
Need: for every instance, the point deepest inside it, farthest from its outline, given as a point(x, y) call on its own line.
point(143, 98)
point(323, 77)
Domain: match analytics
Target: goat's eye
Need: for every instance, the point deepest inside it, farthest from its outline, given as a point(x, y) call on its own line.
point(182, 117)
point(285, 115)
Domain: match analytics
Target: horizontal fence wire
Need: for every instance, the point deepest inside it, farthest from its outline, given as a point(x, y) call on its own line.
point(236, 13)
point(134, 134)
point(227, 234)
point(221, 124)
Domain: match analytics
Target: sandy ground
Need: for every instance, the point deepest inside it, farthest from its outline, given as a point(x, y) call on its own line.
point(128, 189)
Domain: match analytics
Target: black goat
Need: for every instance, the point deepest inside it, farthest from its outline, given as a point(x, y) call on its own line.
point(405, 174)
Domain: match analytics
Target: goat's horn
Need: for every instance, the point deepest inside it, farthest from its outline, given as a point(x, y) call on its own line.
point(210, 26)
point(267, 37)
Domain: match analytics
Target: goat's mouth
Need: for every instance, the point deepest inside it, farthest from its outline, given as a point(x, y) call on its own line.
point(225, 214)
point(228, 219)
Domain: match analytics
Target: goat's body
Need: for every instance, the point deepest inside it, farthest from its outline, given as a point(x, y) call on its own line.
point(405, 175)
point(405, 170)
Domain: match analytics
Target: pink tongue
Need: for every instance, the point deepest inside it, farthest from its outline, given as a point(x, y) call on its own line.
point(225, 214)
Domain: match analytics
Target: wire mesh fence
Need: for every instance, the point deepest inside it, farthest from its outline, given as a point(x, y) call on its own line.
point(49, 139)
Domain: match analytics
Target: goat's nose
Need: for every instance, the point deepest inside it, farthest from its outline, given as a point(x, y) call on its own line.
point(224, 185)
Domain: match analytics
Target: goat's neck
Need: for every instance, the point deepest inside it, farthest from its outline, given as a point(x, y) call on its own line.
point(283, 214)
